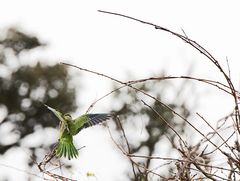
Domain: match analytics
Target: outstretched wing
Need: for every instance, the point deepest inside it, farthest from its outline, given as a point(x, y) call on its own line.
point(56, 113)
point(94, 119)
point(88, 120)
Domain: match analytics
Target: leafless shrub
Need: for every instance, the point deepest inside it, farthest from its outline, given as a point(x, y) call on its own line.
point(195, 161)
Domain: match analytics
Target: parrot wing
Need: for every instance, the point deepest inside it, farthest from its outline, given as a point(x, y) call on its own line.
point(56, 113)
point(66, 147)
point(87, 120)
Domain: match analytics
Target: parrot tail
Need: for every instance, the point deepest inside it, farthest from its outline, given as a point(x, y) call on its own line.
point(66, 148)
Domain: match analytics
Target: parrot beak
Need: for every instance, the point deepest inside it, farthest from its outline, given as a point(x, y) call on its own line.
point(51, 109)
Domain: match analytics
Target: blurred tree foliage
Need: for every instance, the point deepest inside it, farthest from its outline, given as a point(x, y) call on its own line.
point(146, 123)
point(22, 90)
point(25, 88)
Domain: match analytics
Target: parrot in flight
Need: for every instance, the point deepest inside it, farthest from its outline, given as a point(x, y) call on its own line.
point(70, 127)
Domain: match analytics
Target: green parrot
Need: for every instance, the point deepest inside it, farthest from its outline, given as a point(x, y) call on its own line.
point(70, 127)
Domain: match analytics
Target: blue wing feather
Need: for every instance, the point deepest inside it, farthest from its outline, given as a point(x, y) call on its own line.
point(94, 119)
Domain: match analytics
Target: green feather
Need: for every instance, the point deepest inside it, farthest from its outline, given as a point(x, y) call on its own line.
point(69, 128)
point(65, 147)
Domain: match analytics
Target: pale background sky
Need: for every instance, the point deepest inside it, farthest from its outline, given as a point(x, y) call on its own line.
point(76, 33)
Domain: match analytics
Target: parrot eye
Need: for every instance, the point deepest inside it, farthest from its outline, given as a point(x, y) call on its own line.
point(68, 117)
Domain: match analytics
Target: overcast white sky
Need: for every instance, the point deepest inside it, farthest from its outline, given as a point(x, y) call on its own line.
point(78, 34)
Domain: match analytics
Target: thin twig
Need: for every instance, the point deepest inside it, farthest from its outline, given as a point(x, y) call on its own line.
point(163, 119)
point(20, 170)
point(224, 141)
point(198, 47)
point(128, 146)
point(152, 97)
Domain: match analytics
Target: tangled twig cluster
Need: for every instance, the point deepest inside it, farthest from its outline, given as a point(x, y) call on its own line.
point(194, 162)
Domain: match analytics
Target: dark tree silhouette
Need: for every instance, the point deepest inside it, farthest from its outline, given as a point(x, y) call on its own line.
point(18, 41)
point(25, 88)
point(133, 112)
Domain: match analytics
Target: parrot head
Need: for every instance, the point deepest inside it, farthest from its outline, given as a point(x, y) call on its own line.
point(62, 117)
point(67, 117)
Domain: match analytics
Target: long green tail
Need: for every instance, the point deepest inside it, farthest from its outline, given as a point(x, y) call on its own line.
point(66, 147)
